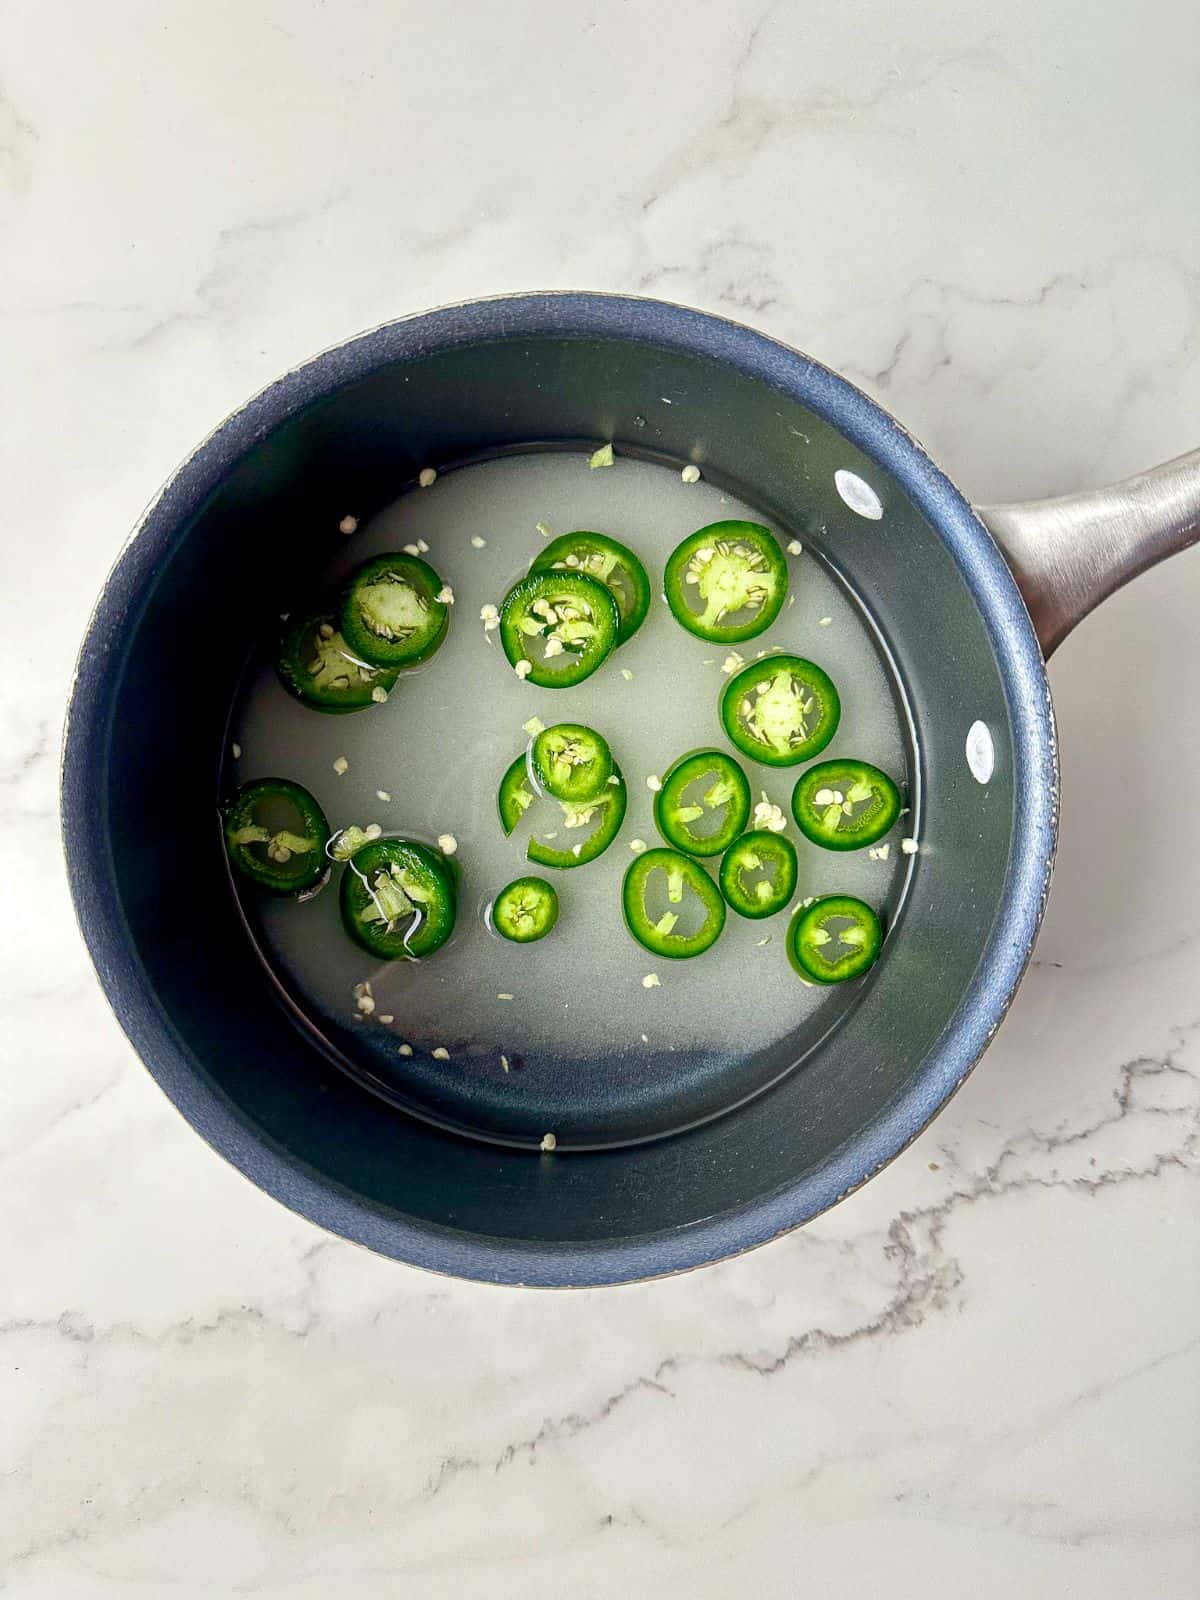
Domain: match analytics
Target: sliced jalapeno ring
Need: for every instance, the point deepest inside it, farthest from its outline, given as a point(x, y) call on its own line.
point(570, 762)
point(604, 814)
point(780, 710)
point(758, 873)
point(315, 664)
point(276, 833)
point(658, 898)
point(703, 803)
point(844, 805)
point(515, 795)
point(561, 623)
point(525, 910)
point(835, 938)
point(727, 582)
point(398, 899)
point(391, 615)
point(612, 564)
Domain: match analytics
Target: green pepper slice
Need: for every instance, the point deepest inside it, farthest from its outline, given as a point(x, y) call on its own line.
point(276, 833)
point(613, 564)
point(392, 615)
point(703, 803)
point(398, 899)
point(605, 810)
point(835, 938)
point(845, 805)
point(525, 910)
point(315, 664)
point(736, 573)
point(570, 762)
point(557, 627)
point(758, 873)
point(679, 874)
point(780, 710)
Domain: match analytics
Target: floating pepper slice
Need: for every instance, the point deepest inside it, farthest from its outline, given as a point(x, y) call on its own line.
point(276, 833)
point(398, 899)
point(780, 710)
point(727, 582)
point(557, 627)
point(316, 665)
point(570, 762)
point(680, 874)
point(845, 805)
point(835, 938)
point(392, 615)
point(758, 873)
point(524, 910)
point(703, 803)
point(605, 812)
point(613, 564)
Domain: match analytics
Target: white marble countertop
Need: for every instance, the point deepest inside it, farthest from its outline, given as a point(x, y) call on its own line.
point(979, 1372)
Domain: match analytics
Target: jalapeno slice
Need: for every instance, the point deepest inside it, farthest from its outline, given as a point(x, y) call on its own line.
point(570, 762)
point(515, 795)
point(391, 614)
point(727, 582)
point(780, 710)
point(398, 899)
point(835, 938)
point(605, 814)
point(525, 910)
point(665, 878)
point(610, 563)
point(276, 833)
point(703, 803)
point(844, 805)
point(562, 624)
point(758, 873)
point(316, 665)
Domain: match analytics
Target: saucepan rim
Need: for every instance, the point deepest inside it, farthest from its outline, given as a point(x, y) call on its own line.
point(880, 437)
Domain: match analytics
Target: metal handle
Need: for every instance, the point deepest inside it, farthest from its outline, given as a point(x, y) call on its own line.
point(1070, 553)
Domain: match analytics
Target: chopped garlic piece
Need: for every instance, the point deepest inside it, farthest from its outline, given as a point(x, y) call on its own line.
point(427, 477)
point(909, 846)
point(379, 694)
point(440, 1053)
point(477, 543)
point(523, 668)
point(637, 845)
point(387, 1019)
point(341, 766)
point(382, 794)
point(652, 981)
point(654, 783)
point(411, 550)
point(795, 548)
point(690, 473)
point(366, 1004)
point(549, 1142)
point(732, 662)
point(237, 751)
point(823, 622)
point(404, 1049)
point(880, 852)
point(446, 595)
point(422, 547)
point(447, 843)
point(348, 525)
point(372, 831)
point(602, 457)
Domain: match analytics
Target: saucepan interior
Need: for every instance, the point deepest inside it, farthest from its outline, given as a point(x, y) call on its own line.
point(148, 726)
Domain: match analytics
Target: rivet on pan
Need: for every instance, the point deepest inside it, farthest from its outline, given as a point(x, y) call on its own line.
point(981, 753)
point(859, 496)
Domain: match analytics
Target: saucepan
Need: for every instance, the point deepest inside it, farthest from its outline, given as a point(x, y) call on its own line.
point(970, 602)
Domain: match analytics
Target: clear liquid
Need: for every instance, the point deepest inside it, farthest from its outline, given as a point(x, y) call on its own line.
point(591, 1053)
